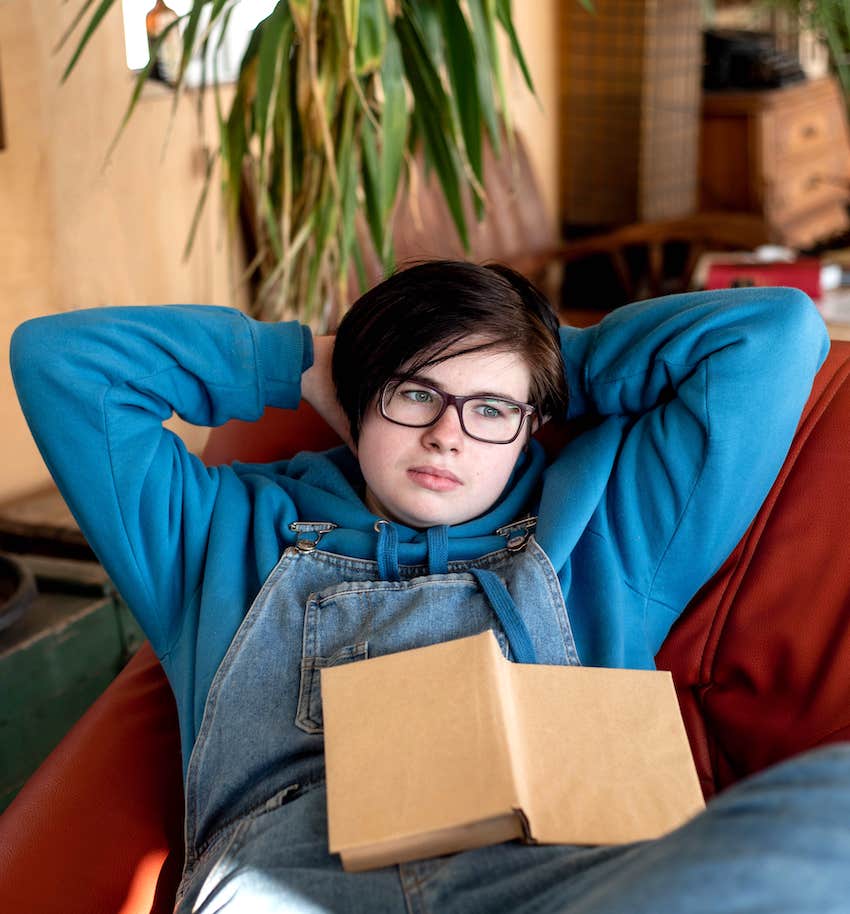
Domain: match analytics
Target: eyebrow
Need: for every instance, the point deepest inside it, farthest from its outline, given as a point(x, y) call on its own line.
point(491, 394)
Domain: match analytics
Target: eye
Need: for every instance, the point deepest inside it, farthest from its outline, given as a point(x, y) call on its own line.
point(417, 395)
point(494, 409)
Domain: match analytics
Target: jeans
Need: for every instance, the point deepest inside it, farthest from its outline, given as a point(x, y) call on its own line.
point(777, 842)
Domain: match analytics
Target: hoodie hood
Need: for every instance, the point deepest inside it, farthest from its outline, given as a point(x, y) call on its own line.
point(327, 488)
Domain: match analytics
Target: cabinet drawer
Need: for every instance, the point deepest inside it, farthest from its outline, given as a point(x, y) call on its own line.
point(807, 185)
point(802, 131)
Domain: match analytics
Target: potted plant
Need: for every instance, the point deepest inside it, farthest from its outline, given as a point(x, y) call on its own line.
point(332, 98)
point(830, 21)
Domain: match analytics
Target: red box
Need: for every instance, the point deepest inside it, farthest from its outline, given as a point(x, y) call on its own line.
point(803, 274)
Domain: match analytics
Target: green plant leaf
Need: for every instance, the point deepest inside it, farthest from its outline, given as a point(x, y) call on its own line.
point(141, 79)
point(461, 63)
point(273, 53)
point(199, 207)
point(371, 36)
point(78, 16)
point(503, 11)
point(189, 34)
point(328, 212)
point(300, 10)
point(427, 22)
point(434, 112)
point(94, 22)
point(394, 124)
point(484, 74)
point(330, 96)
point(489, 36)
point(372, 184)
point(360, 268)
point(235, 149)
point(348, 181)
point(351, 16)
point(270, 220)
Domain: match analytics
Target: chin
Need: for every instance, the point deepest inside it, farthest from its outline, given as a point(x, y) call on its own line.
point(433, 517)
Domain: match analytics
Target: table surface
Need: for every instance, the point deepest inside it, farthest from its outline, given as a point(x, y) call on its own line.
point(835, 308)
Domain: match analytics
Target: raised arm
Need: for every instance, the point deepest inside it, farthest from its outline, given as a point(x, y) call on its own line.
point(698, 397)
point(97, 385)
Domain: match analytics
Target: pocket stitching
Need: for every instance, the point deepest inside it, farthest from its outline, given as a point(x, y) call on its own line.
point(311, 668)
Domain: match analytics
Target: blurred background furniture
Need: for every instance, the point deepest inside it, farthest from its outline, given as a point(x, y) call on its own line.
point(782, 154)
point(761, 660)
point(602, 271)
point(629, 81)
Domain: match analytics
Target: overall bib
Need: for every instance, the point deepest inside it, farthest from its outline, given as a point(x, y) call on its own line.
point(256, 827)
point(255, 798)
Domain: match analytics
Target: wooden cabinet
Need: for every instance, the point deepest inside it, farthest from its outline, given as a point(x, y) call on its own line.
point(781, 153)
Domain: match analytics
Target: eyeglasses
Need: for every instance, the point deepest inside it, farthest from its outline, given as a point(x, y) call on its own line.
point(494, 420)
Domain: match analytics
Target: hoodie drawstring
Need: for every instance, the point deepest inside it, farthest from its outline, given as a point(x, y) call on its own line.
point(387, 553)
point(503, 605)
point(438, 563)
point(438, 549)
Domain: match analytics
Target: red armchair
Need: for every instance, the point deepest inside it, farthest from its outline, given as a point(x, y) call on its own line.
point(761, 660)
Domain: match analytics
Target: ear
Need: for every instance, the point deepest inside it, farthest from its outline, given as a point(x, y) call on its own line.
point(537, 424)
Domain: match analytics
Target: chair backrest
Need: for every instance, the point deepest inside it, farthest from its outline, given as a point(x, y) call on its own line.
point(761, 661)
point(783, 593)
point(761, 657)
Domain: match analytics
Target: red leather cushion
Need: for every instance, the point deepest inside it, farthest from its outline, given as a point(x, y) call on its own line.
point(98, 828)
point(762, 656)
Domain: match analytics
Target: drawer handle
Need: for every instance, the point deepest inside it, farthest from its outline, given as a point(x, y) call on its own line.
point(809, 131)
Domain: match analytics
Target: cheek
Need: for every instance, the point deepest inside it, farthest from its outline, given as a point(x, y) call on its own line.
point(377, 446)
point(491, 470)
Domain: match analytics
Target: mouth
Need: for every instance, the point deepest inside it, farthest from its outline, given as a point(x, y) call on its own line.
point(434, 478)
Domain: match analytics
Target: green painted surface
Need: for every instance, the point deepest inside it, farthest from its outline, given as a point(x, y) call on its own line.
point(54, 663)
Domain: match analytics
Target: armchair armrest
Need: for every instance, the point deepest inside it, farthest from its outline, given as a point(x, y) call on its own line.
point(98, 829)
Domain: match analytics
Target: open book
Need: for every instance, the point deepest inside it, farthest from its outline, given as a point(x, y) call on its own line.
point(451, 747)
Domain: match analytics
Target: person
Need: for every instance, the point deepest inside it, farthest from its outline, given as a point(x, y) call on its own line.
point(439, 518)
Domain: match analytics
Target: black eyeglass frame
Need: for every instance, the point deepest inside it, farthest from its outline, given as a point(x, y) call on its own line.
point(451, 400)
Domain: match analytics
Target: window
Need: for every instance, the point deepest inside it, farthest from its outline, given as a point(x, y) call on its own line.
point(246, 14)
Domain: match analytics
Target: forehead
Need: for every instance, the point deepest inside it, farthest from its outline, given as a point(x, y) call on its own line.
point(491, 370)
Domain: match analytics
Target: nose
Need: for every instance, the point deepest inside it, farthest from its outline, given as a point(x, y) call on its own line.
point(446, 434)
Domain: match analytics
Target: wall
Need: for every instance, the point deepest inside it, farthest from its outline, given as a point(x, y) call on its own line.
point(73, 231)
point(75, 234)
point(539, 119)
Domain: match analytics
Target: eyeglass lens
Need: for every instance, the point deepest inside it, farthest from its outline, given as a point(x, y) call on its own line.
point(488, 418)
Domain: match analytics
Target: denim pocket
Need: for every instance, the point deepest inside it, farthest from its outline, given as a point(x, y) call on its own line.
point(309, 714)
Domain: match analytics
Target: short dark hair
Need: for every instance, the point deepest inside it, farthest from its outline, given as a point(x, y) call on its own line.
point(414, 317)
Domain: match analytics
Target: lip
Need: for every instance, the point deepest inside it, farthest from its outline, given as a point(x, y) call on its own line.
point(434, 478)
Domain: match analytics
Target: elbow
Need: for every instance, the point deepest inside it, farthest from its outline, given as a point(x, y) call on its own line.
point(25, 348)
point(37, 351)
point(805, 330)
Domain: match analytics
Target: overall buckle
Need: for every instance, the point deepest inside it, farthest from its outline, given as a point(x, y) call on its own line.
point(518, 533)
point(304, 530)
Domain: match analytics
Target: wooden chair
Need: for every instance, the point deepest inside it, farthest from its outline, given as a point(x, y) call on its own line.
point(642, 260)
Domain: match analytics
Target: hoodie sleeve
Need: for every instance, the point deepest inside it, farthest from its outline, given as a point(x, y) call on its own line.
point(96, 385)
point(708, 389)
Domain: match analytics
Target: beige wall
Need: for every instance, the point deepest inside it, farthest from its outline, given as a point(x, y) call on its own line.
point(73, 234)
point(538, 119)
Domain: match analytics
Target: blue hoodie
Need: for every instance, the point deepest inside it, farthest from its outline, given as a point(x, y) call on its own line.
point(691, 402)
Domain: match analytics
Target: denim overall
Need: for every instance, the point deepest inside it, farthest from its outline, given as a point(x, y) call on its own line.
point(256, 828)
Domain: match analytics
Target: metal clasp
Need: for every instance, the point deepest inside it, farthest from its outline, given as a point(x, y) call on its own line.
point(518, 533)
point(317, 528)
